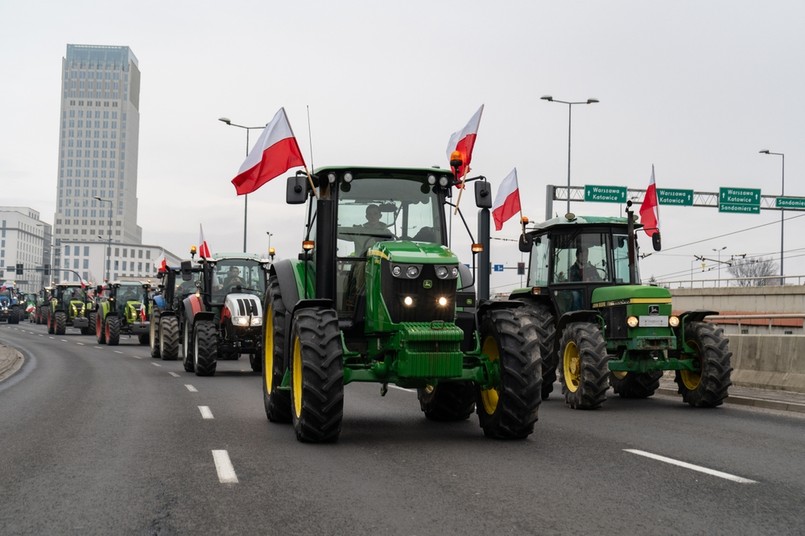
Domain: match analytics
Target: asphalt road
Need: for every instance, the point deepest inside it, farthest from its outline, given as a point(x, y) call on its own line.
point(105, 440)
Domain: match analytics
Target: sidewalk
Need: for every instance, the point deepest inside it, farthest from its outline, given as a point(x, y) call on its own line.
point(749, 396)
point(10, 361)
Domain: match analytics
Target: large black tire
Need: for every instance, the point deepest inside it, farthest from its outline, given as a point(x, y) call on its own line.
point(709, 387)
point(90, 329)
point(169, 338)
point(584, 366)
point(277, 401)
point(153, 336)
point(60, 322)
point(112, 330)
point(545, 324)
point(510, 409)
point(100, 332)
point(635, 385)
point(448, 401)
point(205, 348)
point(317, 376)
point(14, 315)
point(187, 347)
point(51, 320)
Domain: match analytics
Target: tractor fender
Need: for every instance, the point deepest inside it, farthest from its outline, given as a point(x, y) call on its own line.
point(193, 306)
point(284, 272)
point(578, 316)
point(490, 305)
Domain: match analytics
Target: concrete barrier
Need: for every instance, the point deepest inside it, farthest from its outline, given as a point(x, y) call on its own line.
point(769, 361)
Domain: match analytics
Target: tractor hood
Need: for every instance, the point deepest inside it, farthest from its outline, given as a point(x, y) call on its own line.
point(629, 294)
point(413, 253)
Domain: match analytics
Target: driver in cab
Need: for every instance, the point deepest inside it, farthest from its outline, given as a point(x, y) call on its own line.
point(582, 269)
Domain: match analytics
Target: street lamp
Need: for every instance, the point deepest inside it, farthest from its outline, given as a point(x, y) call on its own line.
point(569, 116)
point(109, 238)
point(245, 196)
point(782, 213)
point(719, 250)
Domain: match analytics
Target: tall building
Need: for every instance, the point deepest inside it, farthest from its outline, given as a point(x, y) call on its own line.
point(98, 143)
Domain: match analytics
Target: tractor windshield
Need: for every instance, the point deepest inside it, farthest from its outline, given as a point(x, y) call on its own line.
point(237, 275)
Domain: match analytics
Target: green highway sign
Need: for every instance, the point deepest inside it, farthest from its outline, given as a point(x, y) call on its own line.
point(739, 200)
point(670, 196)
point(604, 194)
point(791, 203)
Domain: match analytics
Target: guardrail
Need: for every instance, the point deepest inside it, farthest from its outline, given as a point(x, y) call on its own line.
point(732, 282)
point(769, 316)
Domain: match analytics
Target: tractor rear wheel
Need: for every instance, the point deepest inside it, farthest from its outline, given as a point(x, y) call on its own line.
point(51, 322)
point(90, 329)
point(60, 322)
point(707, 387)
point(583, 365)
point(100, 332)
point(545, 324)
point(112, 330)
point(317, 376)
point(448, 401)
point(153, 336)
point(509, 409)
point(634, 384)
point(187, 347)
point(205, 348)
point(277, 401)
point(169, 338)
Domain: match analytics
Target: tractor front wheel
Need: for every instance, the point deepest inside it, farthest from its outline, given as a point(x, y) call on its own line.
point(448, 401)
point(634, 384)
point(187, 347)
point(317, 376)
point(100, 333)
point(509, 409)
point(205, 348)
point(112, 330)
point(169, 338)
point(277, 402)
point(153, 336)
point(584, 365)
point(60, 322)
point(707, 387)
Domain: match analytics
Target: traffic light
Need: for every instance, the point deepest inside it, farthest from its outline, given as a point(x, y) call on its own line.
point(520, 268)
point(19, 268)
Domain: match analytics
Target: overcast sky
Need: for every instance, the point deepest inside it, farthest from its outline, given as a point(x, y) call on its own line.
point(696, 88)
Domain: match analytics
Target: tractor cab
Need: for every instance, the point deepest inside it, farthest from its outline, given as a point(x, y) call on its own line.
point(234, 274)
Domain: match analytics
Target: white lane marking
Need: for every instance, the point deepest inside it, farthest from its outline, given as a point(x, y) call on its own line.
point(173, 374)
point(137, 357)
point(80, 343)
point(206, 412)
point(226, 473)
point(63, 340)
point(403, 389)
point(191, 388)
point(686, 465)
point(98, 347)
point(118, 352)
point(156, 364)
point(51, 337)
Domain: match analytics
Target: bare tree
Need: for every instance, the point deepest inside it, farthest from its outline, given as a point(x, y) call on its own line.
point(754, 272)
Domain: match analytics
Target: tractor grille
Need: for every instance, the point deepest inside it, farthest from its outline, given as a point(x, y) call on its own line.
point(425, 306)
point(248, 306)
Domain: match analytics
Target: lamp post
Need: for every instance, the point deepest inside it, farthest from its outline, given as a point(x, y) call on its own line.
point(109, 238)
point(782, 213)
point(569, 116)
point(229, 122)
point(719, 250)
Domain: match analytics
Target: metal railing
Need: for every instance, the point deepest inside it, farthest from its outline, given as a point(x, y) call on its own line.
point(733, 282)
point(765, 316)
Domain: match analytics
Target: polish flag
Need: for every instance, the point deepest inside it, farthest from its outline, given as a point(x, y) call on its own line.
point(203, 248)
point(649, 209)
point(463, 141)
point(142, 311)
point(275, 152)
point(507, 201)
point(161, 264)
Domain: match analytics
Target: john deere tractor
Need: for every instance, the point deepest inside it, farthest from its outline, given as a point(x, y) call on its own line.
point(167, 311)
point(600, 327)
point(123, 309)
point(223, 320)
point(377, 296)
point(69, 306)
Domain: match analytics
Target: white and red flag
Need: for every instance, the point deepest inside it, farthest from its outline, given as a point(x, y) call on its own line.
point(203, 248)
point(507, 200)
point(275, 152)
point(649, 209)
point(161, 264)
point(143, 312)
point(463, 141)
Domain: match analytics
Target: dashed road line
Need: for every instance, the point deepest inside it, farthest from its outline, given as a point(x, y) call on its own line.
point(137, 357)
point(226, 472)
point(191, 388)
point(173, 374)
point(206, 412)
point(686, 465)
point(156, 364)
point(80, 344)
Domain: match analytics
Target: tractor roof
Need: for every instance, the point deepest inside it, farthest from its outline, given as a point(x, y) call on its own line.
point(239, 256)
point(576, 221)
point(374, 171)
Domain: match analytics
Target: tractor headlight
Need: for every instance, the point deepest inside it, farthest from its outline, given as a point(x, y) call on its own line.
point(240, 321)
point(257, 321)
point(673, 321)
point(396, 271)
point(412, 272)
point(632, 322)
point(442, 301)
point(446, 272)
point(431, 179)
point(408, 301)
point(406, 271)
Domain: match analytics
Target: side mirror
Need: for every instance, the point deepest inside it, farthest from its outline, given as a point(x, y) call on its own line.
point(187, 274)
point(655, 241)
point(296, 190)
point(483, 194)
point(525, 243)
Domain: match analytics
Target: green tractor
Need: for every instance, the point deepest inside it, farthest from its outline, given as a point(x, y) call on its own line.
point(376, 296)
point(599, 327)
point(123, 309)
point(69, 305)
point(167, 311)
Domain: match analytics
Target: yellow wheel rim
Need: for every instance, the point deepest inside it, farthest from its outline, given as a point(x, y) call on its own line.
point(297, 376)
point(571, 366)
point(692, 379)
point(490, 397)
point(268, 349)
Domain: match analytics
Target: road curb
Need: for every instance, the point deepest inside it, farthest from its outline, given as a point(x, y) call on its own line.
point(10, 361)
point(749, 401)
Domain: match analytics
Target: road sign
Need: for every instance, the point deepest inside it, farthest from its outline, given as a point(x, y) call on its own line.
point(742, 200)
point(604, 194)
point(671, 196)
point(790, 203)
point(497, 267)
